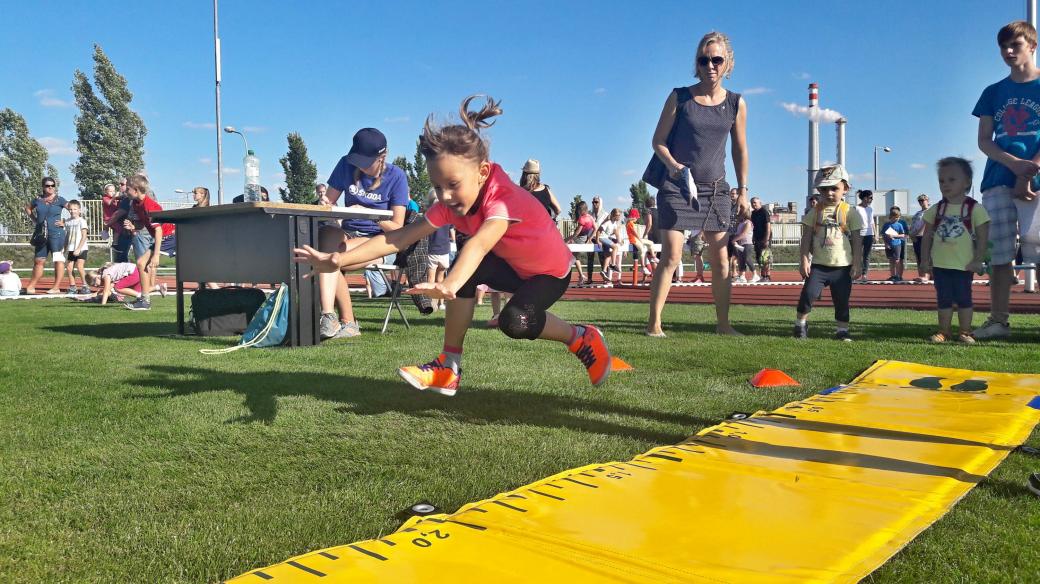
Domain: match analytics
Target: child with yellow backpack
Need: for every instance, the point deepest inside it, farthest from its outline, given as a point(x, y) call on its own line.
point(831, 250)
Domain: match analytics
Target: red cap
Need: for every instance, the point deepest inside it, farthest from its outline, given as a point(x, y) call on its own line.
point(633, 214)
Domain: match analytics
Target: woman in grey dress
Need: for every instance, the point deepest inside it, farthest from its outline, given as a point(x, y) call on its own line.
point(705, 115)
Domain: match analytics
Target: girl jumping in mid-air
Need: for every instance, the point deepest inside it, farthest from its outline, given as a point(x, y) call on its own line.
point(513, 246)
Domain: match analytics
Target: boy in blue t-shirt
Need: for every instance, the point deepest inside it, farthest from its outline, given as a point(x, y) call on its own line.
point(1009, 121)
point(894, 231)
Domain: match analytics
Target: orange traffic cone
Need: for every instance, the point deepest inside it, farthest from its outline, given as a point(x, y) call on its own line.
point(772, 378)
point(616, 364)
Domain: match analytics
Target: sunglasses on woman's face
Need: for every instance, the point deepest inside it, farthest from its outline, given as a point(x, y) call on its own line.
point(48, 186)
point(716, 60)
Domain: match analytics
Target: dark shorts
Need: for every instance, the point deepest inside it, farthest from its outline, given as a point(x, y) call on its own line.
point(895, 252)
point(675, 212)
point(55, 243)
point(839, 279)
point(121, 247)
point(524, 315)
point(73, 257)
point(952, 288)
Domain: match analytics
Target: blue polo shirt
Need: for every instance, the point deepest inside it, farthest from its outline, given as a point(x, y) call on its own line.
point(392, 191)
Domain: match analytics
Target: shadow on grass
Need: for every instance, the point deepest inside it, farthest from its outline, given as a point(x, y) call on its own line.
point(367, 397)
point(120, 330)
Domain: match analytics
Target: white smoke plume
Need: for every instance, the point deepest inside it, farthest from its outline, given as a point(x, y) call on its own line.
point(817, 114)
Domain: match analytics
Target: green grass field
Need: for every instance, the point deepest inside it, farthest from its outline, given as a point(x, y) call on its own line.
point(126, 456)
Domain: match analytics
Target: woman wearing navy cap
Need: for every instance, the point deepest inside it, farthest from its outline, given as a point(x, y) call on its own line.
point(365, 178)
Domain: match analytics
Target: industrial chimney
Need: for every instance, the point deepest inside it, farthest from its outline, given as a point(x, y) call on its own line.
point(841, 141)
point(814, 139)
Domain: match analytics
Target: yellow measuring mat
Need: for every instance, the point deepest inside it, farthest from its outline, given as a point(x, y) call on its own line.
point(820, 490)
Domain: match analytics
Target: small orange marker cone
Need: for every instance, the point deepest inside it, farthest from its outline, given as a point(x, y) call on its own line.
point(616, 364)
point(772, 378)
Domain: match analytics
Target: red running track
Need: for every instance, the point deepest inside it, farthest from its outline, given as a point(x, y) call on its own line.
point(787, 286)
point(783, 291)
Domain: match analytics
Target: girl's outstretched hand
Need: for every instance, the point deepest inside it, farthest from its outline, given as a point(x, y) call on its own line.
point(437, 291)
point(321, 261)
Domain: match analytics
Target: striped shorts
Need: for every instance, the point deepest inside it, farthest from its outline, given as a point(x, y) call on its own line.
point(999, 202)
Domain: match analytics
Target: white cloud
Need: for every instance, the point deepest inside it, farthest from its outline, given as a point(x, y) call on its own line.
point(862, 177)
point(397, 120)
point(628, 172)
point(918, 166)
point(200, 125)
point(817, 113)
point(206, 161)
point(278, 176)
point(599, 90)
point(47, 99)
point(229, 170)
point(254, 129)
point(756, 90)
point(803, 76)
point(57, 146)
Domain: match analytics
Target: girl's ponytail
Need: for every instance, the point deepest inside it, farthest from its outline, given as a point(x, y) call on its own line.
point(460, 139)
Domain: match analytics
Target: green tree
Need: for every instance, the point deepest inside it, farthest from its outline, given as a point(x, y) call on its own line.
point(419, 183)
point(23, 164)
point(301, 175)
point(574, 207)
point(640, 195)
point(109, 135)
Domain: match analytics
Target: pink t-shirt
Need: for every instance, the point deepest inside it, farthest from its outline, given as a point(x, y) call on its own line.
point(531, 245)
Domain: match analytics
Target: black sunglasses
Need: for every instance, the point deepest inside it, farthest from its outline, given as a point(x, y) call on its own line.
point(49, 186)
point(716, 60)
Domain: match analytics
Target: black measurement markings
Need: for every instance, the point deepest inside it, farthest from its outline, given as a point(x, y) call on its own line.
point(576, 481)
point(639, 466)
point(328, 555)
point(508, 506)
point(387, 542)
point(665, 457)
point(311, 571)
point(368, 553)
point(547, 495)
point(263, 576)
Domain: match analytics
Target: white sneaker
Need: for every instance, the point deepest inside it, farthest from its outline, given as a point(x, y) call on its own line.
point(755, 278)
point(740, 280)
point(992, 329)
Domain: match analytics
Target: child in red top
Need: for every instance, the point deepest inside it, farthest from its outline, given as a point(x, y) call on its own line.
point(513, 246)
point(146, 235)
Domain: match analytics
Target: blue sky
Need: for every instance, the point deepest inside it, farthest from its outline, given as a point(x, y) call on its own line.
point(581, 83)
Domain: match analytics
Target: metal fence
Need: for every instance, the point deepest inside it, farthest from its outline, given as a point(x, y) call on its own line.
point(95, 217)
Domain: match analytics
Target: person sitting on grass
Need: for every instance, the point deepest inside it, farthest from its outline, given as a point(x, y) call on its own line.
point(123, 278)
point(948, 251)
point(513, 246)
point(146, 236)
point(10, 284)
point(830, 249)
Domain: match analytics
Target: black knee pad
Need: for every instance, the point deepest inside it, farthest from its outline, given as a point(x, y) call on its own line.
point(521, 322)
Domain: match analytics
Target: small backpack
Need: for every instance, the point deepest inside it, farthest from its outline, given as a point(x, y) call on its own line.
point(269, 326)
point(841, 215)
point(966, 210)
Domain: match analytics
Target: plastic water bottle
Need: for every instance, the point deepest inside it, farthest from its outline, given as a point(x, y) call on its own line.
point(252, 172)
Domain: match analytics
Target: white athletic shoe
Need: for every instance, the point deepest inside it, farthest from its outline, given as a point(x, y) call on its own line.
point(756, 278)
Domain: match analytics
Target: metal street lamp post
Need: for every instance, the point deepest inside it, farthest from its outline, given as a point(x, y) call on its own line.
point(876, 148)
point(232, 130)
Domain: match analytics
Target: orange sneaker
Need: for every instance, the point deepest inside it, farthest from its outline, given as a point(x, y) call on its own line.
point(592, 350)
point(434, 376)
